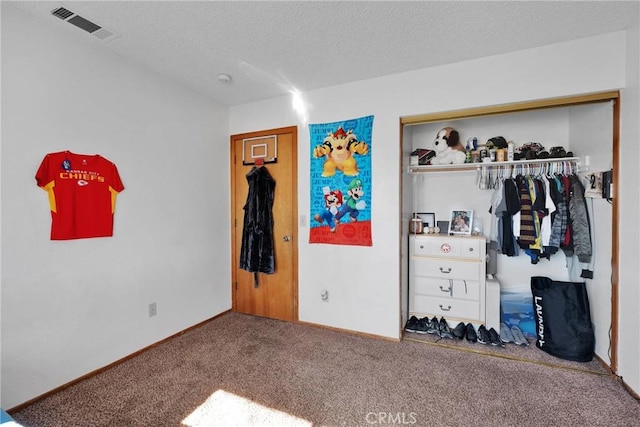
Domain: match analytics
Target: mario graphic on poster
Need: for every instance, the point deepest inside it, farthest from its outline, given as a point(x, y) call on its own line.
point(341, 182)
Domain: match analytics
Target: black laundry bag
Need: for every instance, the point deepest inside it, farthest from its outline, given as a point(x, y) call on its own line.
point(563, 319)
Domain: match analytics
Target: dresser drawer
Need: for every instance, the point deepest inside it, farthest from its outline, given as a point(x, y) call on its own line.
point(455, 247)
point(443, 268)
point(460, 289)
point(446, 307)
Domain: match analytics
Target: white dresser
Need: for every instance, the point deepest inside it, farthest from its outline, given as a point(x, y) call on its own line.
point(447, 278)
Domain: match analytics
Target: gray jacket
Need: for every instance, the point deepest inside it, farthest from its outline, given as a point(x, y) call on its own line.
point(579, 220)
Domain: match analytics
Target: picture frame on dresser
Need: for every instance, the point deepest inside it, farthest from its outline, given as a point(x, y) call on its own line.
point(460, 222)
point(428, 219)
point(443, 226)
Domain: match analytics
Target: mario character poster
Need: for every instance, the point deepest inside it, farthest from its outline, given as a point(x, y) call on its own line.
point(340, 182)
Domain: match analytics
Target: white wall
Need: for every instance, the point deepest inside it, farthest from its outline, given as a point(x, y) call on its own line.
point(69, 307)
point(367, 297)
point(629, 244)
point(590, 126)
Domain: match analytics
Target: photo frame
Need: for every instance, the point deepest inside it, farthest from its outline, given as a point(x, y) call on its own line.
point(428, 219)
point(461, 221)
point(443, 226)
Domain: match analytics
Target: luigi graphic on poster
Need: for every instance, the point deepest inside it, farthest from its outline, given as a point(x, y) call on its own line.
point(341, 182)
point(354, 202)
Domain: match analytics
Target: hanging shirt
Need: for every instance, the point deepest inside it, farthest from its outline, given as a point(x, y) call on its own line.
point(537, 210)
point(82, 193)
point(497, 209)
point(527, 225)
point(512, 200)
point(550, 207)
point(559, 220)
point(567, 240)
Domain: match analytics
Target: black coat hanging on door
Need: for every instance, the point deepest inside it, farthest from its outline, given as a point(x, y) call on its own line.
point(257, 252)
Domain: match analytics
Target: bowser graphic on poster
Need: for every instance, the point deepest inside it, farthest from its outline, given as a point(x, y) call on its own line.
point(340, 182)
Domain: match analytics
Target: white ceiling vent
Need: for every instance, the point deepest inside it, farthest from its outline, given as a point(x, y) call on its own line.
point(103, 33)
point(62, 13)
point(90, 27)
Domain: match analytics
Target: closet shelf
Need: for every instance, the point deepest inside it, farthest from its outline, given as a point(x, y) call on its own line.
point(420, 169)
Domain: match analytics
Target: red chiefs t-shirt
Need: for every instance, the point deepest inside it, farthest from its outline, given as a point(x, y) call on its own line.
point(82, 193)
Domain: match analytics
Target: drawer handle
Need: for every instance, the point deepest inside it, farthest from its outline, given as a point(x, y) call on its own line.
point(470, 249)
point(442, 270)
point(445, 290)
point(445, 309)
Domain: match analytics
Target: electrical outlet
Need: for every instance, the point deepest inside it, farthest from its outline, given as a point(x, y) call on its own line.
point(153, 309)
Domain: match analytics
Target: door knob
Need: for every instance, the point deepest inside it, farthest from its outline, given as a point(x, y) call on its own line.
point(286, 238)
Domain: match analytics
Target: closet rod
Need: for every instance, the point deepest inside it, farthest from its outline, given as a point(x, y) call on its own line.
point(418, 169)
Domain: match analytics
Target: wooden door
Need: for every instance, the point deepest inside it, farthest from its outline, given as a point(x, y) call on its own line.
point(276, 295)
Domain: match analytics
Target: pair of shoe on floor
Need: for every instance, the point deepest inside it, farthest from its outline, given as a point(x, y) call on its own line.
point(429, 326)
point(468, 331)
point(512, 335)
point(461, 331)
point(482, 336)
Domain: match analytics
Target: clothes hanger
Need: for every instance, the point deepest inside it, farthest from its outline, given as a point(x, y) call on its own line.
point(480, 178)
point(496, 182)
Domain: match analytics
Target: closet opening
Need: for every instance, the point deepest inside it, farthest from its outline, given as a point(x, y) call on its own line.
point(586, 127)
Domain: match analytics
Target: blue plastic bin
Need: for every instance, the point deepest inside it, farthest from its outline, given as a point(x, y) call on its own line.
point(516, 308)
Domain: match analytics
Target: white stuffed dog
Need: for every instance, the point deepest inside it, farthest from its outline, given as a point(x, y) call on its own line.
point(449, 150)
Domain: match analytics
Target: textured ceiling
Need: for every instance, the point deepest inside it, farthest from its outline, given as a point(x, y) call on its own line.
point(272, 47)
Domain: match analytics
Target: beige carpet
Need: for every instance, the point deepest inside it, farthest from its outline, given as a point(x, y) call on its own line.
point(242, 370)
